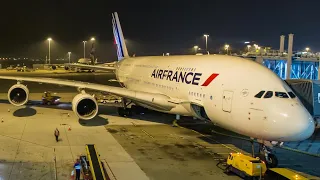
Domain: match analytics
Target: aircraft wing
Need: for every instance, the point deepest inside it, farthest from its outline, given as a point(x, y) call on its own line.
point(153, 99)
point(102, 67)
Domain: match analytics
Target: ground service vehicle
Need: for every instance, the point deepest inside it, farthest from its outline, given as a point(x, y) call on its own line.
point(48, 99)
point(245, 166)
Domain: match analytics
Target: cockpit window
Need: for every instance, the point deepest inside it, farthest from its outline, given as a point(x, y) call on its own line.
point(281, 95)
point(269, 94)
point(291, 94)
point(260, 94)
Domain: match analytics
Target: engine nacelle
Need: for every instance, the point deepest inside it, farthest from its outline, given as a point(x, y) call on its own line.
point(18, 95)
point(85, 106)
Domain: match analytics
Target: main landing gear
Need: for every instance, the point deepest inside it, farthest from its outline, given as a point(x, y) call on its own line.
point(128, 109)
point(265, 154)
point(125, 111)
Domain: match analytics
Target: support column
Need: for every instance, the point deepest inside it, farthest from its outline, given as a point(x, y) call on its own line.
point(289, 59)
point(281, 43)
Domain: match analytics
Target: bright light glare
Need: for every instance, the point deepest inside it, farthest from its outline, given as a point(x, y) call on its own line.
point(247, 42)
point(196, 47)
point(206, 35)
point(49, 39)
point(93, 39)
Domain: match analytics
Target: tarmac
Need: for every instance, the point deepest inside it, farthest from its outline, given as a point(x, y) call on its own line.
point(28, 146)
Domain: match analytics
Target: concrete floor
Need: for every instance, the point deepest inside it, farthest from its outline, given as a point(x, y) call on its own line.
point(28, 146)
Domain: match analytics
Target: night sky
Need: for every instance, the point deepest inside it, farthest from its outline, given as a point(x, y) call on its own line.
point(154, 27)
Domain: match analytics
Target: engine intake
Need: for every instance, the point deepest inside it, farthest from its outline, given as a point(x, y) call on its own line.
point(85, 106)
point(18, 95)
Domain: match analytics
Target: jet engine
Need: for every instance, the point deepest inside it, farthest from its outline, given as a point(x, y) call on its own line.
point(85, 106)
point(18, 95)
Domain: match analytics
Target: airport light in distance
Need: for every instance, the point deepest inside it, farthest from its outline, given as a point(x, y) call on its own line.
point(69, 53)
point(248, 46)
point(206, 35)
point(84, 49)
point(307, 49)
point(49, 39)
point(195, 48)
point(92, 39)
point(226, 47)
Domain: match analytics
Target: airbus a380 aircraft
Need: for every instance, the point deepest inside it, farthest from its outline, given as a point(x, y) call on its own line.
point(237, 94)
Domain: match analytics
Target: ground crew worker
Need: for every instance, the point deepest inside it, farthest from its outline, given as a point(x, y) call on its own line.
point(77, 166)
point(56, 134)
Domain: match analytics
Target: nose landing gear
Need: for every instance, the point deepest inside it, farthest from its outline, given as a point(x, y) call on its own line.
point(265, 154)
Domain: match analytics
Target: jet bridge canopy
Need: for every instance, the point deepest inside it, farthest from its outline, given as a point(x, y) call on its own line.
point(308, 91)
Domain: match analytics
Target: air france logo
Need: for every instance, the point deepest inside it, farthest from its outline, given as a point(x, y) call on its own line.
point(183, 77)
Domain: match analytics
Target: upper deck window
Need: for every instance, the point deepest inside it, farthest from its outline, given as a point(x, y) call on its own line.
point(281, 95)
point(260, 94)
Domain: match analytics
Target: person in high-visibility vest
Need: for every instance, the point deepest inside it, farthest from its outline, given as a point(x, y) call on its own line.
point(77, 166)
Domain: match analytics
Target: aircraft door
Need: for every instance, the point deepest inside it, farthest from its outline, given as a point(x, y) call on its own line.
point(227, 101)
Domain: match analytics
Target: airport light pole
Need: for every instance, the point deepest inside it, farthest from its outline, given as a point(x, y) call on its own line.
point(195, 48)
point(248, 46)
point(49, 39)
point(84, 49)
point(69, 53)
point(206, 35)
point(226, 47)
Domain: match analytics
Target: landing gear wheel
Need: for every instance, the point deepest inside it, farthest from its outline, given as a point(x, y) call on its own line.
point(228, 169)
point(272, 161)
point(124, 112)
point(121, 111)
point(128, 112)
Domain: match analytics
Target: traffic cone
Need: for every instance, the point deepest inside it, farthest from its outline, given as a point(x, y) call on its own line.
point(69, 129)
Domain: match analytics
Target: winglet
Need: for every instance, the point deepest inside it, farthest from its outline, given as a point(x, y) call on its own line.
point(122, 51)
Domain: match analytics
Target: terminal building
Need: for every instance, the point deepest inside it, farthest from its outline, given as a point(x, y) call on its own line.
point(301, 65)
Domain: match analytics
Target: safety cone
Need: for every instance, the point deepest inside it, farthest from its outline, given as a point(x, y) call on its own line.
point(68, 115)
point(8, 110)
point(69, 129)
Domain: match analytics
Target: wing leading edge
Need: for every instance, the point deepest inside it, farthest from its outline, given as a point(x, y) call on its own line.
point(159, 100)
point(103, 67)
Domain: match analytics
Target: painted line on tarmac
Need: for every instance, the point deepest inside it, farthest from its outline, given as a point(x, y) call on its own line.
point(147, 133)
point(134, 124)
point(298, 151)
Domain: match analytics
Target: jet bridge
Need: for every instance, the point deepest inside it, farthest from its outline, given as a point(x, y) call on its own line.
point(308, 91)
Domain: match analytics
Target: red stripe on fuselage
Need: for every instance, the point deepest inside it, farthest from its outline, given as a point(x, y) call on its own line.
point(211, 78)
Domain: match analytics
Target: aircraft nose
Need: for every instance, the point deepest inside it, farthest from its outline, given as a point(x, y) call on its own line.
point(303, 125)
point(307, 130)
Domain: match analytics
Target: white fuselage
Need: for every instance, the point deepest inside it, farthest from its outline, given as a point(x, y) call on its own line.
point(225, 86)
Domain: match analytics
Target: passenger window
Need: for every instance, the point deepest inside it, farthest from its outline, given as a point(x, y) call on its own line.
point(281, 95)
point(292, 95)
point(260, 94)
point(269, 94)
